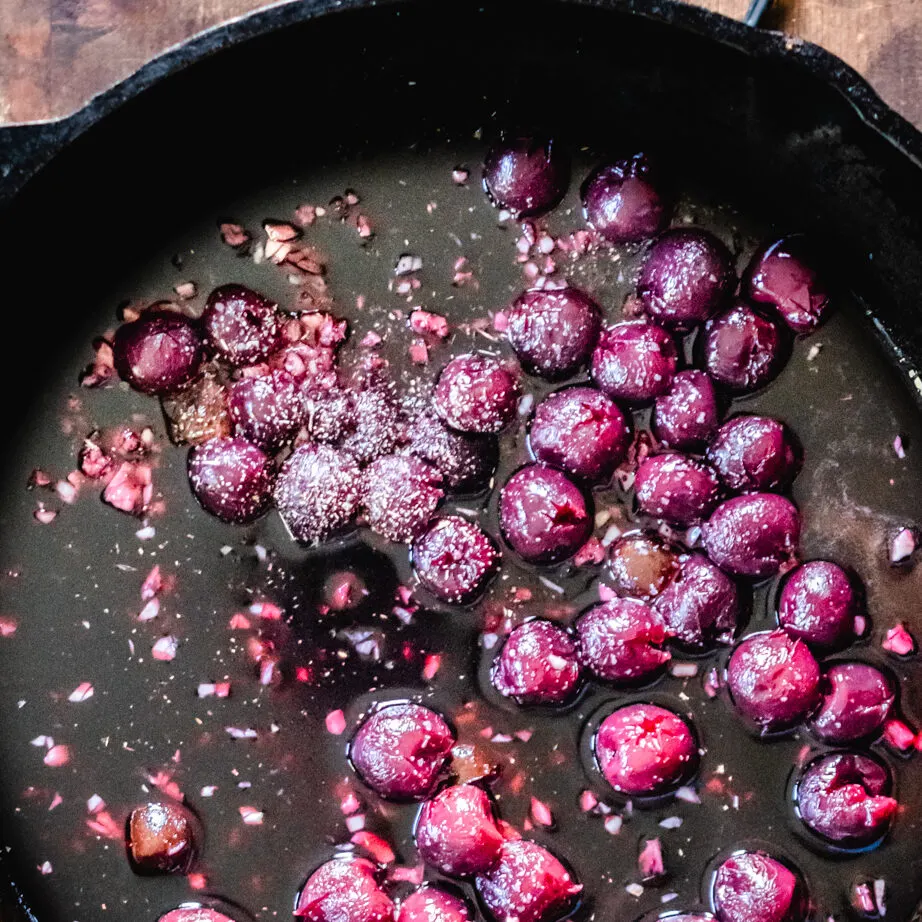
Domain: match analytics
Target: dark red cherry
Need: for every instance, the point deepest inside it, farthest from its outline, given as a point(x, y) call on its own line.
point(642, 564)
point(195, 913)
point(465, 461)
point(686, 277)
point(774, 681)
point(553, 330)
point(634, 361)
point(644, 750)
point(784, 274)
point(432, 904)
point(843, 797)
point(476, 393)
point(621, 641)
point(241, 325)
point(544, 516)
point(581, 431)
point(677, 488)
point(537, 664)
point(456, 832)
point(688, 414)
point(526, 176)
point(754, 535)
point(818, 603)
point(754, 887)
point(231, 478)
point(344, 890)
point(528, 884)
point(857, 699)
point(400, 495)
point(161, 839)
point(401, 750)
point(318, 491)
point(267, 410)
point(159, 353)
point(755, 454)
point(622, 203)
point(455, 559)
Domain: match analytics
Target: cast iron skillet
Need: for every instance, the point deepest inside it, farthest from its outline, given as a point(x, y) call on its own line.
point(778, 127)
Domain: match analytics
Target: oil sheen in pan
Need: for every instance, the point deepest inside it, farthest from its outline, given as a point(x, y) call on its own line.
point(73, 589)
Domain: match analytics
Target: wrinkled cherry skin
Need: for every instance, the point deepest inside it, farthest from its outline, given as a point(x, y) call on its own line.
point(318, 492)
point(465, 461)
point(700, 606)
point(432, 904)
point(456, 832)
point(241, 325)
point(818, 604)
point(634, 361)
point(754, 887)
point(231, 479)
point(581, 431)
point(755, 454)
point(526, 176)
point(527, 884)
point(784, 275)
point(544, 516)
point(642, 564)
point(554, 330)
point(267, 410)
point(644, 750)
point(400, 494)
point(743, 350)
point(753, 535)
point(774, 681)
point(688, 414)
point(621, 641)
point(857, 698)
point(679, 489)
point(455, 559)
point(476, 393)
point(161, 839)
point(159, 353)
point(843, 798)
point(686, 277)
point(401, 750)
point(344, 890)
point(537, 664)
point(621, 202)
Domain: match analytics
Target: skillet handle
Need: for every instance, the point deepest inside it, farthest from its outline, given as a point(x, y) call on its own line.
point(756, 12)
point(24, 149)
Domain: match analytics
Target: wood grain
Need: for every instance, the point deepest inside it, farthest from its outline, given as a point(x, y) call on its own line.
point(56, 54)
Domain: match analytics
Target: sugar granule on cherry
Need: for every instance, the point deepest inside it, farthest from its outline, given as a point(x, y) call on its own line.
point(318, 491)
point(774, 681)
point(231, 478)
point(700, 606)
point(401, 750)
point(553, 330)
point(644, 750)
point(688, 414)
point(544, 516)
point(376, 430)
point(267, 410)
point(857, 699)
point(476, 393)
point(755, 454)
point(465, 460)
point(400, 494)
point(241, 325)
point(753, 536)
point(843, 797)
point(754, 887)
point(642, 564)
point(161, 839)
point(634, 361)
point(622, 201)
point(344, 889)
point(622, 641)
point(677, 488)
point(529, 884)
point(580, 431)
point(686, 277)
point(537, 664)
point(455, 559)
point(457, 833)
point(159, 353)
point(818, 603)
point(526, 176)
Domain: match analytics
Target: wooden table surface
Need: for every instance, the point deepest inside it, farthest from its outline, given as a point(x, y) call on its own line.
point(56, 54)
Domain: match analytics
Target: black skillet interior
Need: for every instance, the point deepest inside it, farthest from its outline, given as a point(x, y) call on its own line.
point(761, 133)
